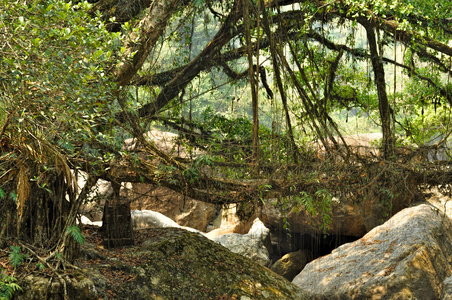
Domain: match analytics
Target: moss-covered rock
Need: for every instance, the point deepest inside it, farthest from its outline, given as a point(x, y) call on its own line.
point(171, 263)
point(185, 265)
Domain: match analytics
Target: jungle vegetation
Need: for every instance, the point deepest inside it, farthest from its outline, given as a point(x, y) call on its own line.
point(262, 95)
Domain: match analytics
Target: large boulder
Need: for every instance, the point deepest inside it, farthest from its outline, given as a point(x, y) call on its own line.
point(177, 264)
point(93, 207)
point(408, 257)
point(183, 210)
point(170, 263)
point(145, 219)
point(254, 245)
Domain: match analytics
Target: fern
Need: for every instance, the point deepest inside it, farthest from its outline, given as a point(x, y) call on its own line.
point(15, 257)
point(40, 266)
point(76, 233)
point(2, 194)
point(8, 286)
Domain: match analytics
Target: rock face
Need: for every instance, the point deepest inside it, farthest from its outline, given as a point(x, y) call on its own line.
point(170, 264)
point(183, 210)
point(408, 257)
point(227, 221)
point(291, 264)
point(254, 245)
point(182, 265)
point(144, 219)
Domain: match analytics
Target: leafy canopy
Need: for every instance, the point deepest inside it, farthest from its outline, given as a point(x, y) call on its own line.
point(54, 72)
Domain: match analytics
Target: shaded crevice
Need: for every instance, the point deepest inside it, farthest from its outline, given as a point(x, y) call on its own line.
point(318, 244)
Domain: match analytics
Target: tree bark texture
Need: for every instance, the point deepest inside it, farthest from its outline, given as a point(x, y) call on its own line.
point(383, 102)
point(151, 28)
point(252, 80)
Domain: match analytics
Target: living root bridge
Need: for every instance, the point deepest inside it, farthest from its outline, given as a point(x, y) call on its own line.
point(350, 181)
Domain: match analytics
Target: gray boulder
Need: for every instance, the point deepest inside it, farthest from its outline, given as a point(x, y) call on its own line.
point(171, 264)
point(252, 245)
point(144, 219)
point(184, 210)
point(408, 257)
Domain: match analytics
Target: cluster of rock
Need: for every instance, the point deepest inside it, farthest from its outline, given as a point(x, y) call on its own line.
point(407, 257)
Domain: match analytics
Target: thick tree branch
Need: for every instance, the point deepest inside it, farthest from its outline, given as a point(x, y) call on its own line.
point(152, 27)
point(164, 77)
point(192, 69)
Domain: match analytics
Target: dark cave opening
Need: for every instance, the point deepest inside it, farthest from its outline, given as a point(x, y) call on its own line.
point(319, 244)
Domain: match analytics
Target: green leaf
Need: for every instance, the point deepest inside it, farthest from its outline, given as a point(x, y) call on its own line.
point(8, 286)
point(15, 257)
point(13, 196)
point(76, 233)
point(2, 194)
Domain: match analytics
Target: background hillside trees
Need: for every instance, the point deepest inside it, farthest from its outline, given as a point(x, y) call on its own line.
point(261, 83)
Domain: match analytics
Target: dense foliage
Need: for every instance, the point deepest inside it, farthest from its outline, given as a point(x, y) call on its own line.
point(261, 93)
point(56, 84)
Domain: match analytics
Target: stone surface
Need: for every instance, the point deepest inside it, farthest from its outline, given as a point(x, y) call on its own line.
point(86, 221)
point(177, 264)
point(227, 221)
point(171, 264)
point(253, 245)
point(93, 207)
point(408, 257)
point(183, 210)
point(144, 219)
point(184, 265)
point(291, 264)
